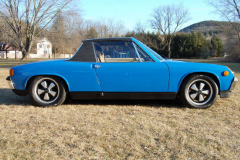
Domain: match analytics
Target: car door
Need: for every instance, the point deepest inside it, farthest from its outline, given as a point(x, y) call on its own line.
point(81, 77)
point(123, 69)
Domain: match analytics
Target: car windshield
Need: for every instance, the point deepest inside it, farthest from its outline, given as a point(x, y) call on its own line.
point(151, 51)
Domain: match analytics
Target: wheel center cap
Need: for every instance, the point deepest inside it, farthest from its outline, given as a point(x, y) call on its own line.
point(199, 92)
point(46, 90)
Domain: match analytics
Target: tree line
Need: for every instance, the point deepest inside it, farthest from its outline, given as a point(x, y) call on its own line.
point(68, 29)
point(184, 45)
point(21, 22)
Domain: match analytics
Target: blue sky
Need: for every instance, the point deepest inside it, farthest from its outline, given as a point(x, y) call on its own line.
point(132, 11)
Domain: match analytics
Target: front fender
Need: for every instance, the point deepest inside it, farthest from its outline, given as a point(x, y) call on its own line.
point(216, 77)
point(180, 70)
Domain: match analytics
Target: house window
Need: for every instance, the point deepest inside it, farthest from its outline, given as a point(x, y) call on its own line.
point(40, 45)
point(48, 46)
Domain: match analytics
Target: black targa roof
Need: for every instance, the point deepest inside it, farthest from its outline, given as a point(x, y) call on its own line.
point(109, 39)
point(86, 51)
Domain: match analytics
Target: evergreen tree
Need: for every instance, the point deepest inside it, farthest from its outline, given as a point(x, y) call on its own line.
point(58, 35)
point(217, 46)
point(92, 33)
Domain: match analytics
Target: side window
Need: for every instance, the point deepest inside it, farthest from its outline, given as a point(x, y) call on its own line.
point(115, 51)
point(143, 55)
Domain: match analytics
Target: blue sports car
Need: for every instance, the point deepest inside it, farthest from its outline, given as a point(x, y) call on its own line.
point(121, 68)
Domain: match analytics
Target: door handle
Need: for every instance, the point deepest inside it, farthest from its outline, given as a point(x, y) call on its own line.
point(96, 66)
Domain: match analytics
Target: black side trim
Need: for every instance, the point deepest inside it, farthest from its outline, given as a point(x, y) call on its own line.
point(20, 92)
point(225, 94)
point(123, 95)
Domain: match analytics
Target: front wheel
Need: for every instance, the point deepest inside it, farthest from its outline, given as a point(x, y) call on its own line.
point(47, 91)
point(199, 91)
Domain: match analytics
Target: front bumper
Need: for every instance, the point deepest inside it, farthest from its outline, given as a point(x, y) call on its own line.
point(235, 80)
point(227, 94)
point(16, 91)
point(10, 83)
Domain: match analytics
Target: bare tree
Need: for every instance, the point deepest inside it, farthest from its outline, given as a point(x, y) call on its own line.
point(58, 35)
point(28, 18)
point(109, 28)
point(69, 29)
point(4, 38)
point(74, 23)
point(66, 32)
point(167, 20)
point(140, 27)
point(230, 11)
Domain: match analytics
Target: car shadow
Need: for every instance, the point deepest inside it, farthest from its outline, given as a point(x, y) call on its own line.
point(141, 103)
point(9, 98)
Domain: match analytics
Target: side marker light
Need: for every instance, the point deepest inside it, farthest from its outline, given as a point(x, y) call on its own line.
point(11, 72)
point(225, 73)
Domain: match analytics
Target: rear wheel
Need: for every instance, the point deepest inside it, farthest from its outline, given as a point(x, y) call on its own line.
point(199, 91)
point(47, 91)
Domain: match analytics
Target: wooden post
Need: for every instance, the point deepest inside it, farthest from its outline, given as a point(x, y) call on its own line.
point(55, 53)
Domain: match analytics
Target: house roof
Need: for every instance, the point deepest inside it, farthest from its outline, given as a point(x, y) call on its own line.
point(40, 39)
point(7, 47)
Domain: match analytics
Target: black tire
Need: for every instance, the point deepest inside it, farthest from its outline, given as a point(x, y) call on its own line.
point(199, 91)
point(47, 91)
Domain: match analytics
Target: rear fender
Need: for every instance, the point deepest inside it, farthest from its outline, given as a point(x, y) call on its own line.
point(56, 75)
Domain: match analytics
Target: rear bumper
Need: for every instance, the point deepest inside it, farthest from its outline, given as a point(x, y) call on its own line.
point(16, 91)
point(227, 94)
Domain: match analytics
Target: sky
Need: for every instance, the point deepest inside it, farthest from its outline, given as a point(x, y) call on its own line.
point(132, 11)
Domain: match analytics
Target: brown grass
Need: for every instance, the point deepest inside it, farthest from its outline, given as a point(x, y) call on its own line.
point(117, 129)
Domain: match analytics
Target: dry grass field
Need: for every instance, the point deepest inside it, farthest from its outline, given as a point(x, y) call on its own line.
point(117, 129)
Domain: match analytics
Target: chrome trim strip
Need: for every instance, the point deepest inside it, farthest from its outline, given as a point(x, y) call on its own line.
point(137, 52)
point(150, 55)
point(235, 79)
point(97, 61)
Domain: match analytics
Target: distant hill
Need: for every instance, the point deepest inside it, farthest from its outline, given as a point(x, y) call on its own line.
point(210, 28)
point(206, 27)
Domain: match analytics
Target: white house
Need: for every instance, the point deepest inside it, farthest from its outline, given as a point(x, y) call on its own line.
point(44, 48)
point(9, 51)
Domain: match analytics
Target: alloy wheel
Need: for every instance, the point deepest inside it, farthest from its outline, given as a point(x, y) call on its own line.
point(47, 90)
point(200, 92)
